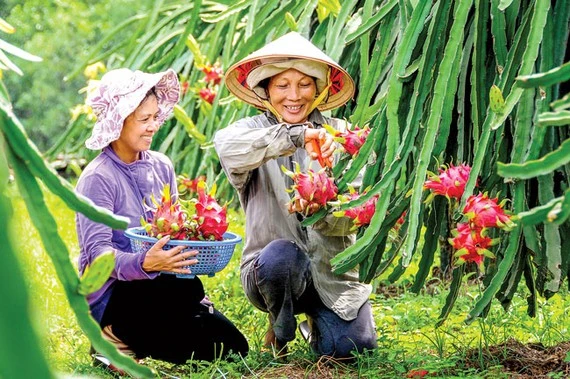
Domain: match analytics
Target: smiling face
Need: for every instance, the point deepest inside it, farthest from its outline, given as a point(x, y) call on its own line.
point(291, 93)
point(138, 129)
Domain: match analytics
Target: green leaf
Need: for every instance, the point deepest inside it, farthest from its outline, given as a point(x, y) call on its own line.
point(559, 118)
point(9, 48)
point(225, 14)
point(556, 210)
point(371, 22)
point(97, 273)
point(556, 75)
point(504, 4)
point(533, 168)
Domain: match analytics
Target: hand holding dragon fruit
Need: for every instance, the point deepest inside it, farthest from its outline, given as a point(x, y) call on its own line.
point(351, 139)
point(312, 189)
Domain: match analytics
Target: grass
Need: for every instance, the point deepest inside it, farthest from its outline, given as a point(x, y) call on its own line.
point(405, 322)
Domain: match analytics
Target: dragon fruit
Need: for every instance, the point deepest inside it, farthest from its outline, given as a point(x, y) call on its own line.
point(207, 95)
point(351, 140)
point(213, 73)
point(169, 218)
point(188, 188)
point(400, 221)
point(471, 244)
point(361, 214)
point(484, 212)
point(449, 183)
point(201, 218)
point(314, 187)
point(210, 217)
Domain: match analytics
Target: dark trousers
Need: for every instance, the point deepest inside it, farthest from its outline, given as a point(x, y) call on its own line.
point(281, 285)
point(164, 319)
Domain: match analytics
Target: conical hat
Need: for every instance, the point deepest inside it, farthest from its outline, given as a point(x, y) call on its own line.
point(291, 46)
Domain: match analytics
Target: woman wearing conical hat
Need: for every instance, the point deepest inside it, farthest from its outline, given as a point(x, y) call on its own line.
point(285, 267)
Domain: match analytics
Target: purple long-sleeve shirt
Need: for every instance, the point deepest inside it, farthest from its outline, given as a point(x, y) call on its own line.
point(121, 188)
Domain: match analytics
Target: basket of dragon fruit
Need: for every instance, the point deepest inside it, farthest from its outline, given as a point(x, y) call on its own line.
point(198, 223)
point(213, 256)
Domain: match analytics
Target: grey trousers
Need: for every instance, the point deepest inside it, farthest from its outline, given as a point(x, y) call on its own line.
point(281, 285)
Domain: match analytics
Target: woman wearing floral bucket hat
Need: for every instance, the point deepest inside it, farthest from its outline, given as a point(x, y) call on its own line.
point(285, 267)
point(141, 312)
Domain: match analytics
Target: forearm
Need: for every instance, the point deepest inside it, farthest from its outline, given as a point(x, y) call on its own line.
point(242, 149)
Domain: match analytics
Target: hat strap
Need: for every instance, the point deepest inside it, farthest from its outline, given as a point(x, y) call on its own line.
point(272, 109)
point(319, 99)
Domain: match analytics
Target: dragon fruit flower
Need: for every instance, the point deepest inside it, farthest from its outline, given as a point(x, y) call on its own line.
point(207, 95)
point(213, 73)
point(449, 183)
point(351, 140)
point(484, 212)
point(361, 214)
point(313, 187)
point(471, 244)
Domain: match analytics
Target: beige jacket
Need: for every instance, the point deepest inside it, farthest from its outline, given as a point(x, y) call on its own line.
point(252, 151)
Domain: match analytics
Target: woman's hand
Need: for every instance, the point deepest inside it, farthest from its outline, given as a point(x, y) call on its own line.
point(171, 260)
point(324, 140)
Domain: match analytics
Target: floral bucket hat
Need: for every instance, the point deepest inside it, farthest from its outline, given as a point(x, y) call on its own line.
point(292, 50)
point(120, 92)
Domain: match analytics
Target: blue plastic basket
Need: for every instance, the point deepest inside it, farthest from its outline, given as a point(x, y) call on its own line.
point(213, 256)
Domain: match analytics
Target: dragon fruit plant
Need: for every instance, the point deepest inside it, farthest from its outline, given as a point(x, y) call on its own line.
point(360, 215)
point(316, 187)
point(470, 238)
point(201, 218)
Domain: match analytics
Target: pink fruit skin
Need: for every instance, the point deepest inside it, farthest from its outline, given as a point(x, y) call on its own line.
point(450, 182)
point(484, 212)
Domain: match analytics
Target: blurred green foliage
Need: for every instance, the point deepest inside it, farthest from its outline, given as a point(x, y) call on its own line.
point(61, 32)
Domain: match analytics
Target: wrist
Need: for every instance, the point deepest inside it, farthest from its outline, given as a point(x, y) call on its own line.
point(297, 133)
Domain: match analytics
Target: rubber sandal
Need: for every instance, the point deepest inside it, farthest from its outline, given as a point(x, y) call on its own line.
point(305, 330)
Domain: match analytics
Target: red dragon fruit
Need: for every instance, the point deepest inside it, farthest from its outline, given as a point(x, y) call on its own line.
point(213, 73)
point(483, 212)
point(450, 182)
point(314, 187)
point(169, 218)
point(207, 95)
point(471, 244)
point(351, 140)
point(187, 187)
point(361, 214)
point(210, 216)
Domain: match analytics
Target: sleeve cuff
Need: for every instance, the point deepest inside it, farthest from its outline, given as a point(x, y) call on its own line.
point(297, 134)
